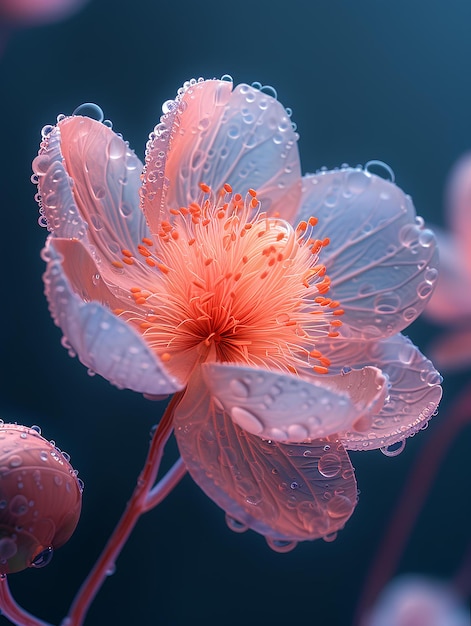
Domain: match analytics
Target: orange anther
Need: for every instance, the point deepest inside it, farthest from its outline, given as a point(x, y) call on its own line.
point(263, 274)
point(163, 268)
point(301, 226)
point(175, 235)
point(205, 188)
point(140, 300)
point(126, 252)
point(334, 304)
point(336, 323)
point(254, 203)
point(147, 241)
point(316, 354)
point(252, 192)
point(319, 369)
point(145, 325)
point(208, 261)
point(325, 241)
point(313, 221)
point(117, 264)
point(333, 334)
point(150, 262)
point(237, 197)
point(143, 251)
point(280, 236)
point(338, 312)
point(245, 259)
point(323, 360)
point(135, 290)
point(128, 261)
point(220, 214)
point(227, 188)
point(165, 357)
point(237, 276)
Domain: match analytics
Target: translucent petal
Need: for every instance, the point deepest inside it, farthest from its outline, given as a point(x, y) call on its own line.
point(214, 135)
point(282, 407)
point(89, 183)
point(102, 341)
point(452, 350)
point(458, 208)
point(287, 492)
point(382, 262)
point(414, 391)
point(413, 600)
point(451, 299)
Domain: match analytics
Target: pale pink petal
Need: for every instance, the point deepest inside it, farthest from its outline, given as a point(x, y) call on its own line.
point(414, 389)
point(214, 135)
point(381, 260)
point(451, 299)
point(89, 183)
point(103, 342)
point(287, 492)
point(283, 407)
point(413, 600)
point(452, 350)
point(458, 208)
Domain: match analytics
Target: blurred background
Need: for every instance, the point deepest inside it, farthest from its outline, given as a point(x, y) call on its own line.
point(366, 80)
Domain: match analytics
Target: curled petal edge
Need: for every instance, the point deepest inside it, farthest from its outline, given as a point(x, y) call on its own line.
point(102, 341)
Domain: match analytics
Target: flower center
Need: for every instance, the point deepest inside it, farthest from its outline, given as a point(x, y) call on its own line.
point(232, 284)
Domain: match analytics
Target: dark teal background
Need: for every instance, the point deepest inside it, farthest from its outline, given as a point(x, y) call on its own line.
point(366, 80)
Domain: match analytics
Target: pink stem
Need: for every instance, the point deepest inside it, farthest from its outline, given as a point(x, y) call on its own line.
point(165, 485)
point(15, 613)
point(137, 505)
point(411, 502)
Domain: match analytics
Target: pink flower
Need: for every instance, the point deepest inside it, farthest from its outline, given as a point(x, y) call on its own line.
point(451, 301)
point(218, 273)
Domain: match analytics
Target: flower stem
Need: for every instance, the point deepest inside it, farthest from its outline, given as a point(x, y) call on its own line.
point(137, 505)
point(411, 501)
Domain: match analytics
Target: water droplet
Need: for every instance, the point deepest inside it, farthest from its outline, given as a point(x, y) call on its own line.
point(246, 420)
point(394, 449)
point(294, 485)
point(111, 570)
point(89, 109)
point(43, 455)
point(239, 388)
point(43, 558)
point(383, 169)
point(235, 525)
point(18, 505)
point(15, 461)
point(280, 545)
point(329, 465)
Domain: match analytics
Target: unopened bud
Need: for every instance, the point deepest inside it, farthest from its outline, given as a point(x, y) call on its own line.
point(40, 498)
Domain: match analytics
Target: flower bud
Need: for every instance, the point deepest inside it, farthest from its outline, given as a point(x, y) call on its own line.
point(40, 498)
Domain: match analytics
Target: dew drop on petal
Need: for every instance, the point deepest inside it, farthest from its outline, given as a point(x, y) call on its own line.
point(394, 449)
point(329, 465)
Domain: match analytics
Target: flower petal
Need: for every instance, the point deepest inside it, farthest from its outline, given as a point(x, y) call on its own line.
point(287, 492)
point(89, 183)
point(451, 299)
point(452, 350)
point(382, 262)
point(282, 407)
point(102, 341)
point(459, 208)
point(414, 391)
point(214, 135)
